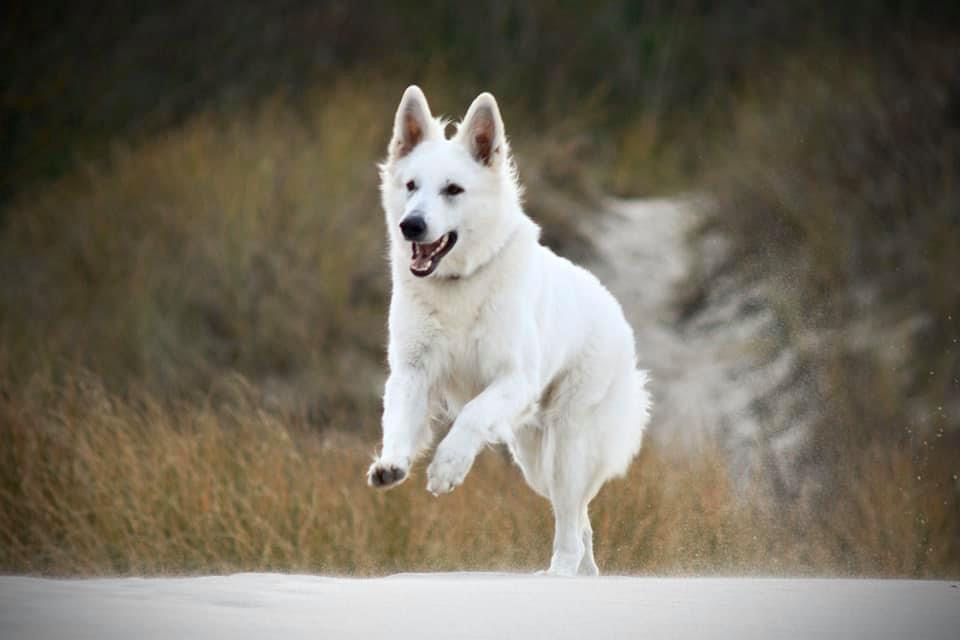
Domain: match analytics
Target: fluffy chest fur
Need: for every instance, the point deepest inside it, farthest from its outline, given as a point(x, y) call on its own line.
point(464, 333)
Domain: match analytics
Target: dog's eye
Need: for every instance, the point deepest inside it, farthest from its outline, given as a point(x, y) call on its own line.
point(452, 190)
point(411, 186)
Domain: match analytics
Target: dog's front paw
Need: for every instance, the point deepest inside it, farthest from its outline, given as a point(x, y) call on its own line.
point(384, 474)
point(448, 469)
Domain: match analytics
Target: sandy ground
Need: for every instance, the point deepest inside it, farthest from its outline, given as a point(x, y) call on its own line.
point(475, 606)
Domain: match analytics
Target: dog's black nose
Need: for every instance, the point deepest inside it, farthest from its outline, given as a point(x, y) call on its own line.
point(413, 227)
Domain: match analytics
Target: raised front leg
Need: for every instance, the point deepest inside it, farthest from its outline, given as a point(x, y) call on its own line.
point(405, 427)
point(484, 420)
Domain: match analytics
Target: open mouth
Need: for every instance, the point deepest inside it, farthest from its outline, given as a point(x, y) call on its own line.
point(426, 257)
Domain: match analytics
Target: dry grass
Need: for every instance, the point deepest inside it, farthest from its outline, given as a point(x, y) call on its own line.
point(94, 483)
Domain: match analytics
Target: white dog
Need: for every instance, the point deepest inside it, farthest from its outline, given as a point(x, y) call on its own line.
point(494, 333)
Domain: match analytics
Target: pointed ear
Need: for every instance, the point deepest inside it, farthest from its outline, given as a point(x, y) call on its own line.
point(482, 131)
point(413, 123)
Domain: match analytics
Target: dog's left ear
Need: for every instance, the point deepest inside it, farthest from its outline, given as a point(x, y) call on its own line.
point(482, 131)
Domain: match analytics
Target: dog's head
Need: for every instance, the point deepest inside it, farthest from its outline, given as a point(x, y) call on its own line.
point(447, 201)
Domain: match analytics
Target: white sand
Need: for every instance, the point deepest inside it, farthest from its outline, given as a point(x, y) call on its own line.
point(475, 606)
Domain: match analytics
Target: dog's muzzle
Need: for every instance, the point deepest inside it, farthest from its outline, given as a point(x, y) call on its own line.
point(426, 256)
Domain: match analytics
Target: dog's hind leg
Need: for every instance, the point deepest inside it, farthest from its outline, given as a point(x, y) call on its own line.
point(526, 447)
point(529, 451)
point(588, 566)
point(568, 548)
point(572, 489)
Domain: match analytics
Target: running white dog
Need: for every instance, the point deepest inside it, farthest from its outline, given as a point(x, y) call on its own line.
point(494, 333)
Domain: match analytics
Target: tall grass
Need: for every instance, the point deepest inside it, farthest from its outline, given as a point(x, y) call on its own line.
point(92, 482)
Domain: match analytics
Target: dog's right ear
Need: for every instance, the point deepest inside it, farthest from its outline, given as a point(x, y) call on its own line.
point(413, 123)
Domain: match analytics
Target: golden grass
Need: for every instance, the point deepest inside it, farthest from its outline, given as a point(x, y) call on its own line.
point(95, 483)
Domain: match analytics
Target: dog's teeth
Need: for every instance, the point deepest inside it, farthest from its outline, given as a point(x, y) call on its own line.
point(440, 247)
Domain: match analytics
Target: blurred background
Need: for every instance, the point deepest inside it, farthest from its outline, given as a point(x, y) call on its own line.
point(193, 282)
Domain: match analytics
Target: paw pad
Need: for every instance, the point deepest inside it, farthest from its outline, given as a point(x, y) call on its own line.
point(383, 476)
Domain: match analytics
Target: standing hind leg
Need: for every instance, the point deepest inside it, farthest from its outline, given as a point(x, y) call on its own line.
point(573, 539)
point(617, 433)
point(588, 566)
point(568, 548)
point(574, 485)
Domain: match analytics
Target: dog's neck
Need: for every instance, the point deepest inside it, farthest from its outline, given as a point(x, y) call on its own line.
point(525, 229)
point(459, 294)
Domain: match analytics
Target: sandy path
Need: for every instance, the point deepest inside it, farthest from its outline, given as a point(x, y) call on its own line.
point(642, 256)
point(721, 376)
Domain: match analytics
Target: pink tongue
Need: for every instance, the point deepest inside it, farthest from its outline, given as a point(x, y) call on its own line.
point(421, 253)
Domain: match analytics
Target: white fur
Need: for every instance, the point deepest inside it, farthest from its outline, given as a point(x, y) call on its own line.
point(505, 340)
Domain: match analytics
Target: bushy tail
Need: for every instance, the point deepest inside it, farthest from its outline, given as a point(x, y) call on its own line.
point(626, 419)
point(644, 397)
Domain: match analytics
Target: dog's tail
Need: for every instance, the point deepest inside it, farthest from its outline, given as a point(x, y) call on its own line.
point(624, 421)
point(644, 398)
point(642, 405)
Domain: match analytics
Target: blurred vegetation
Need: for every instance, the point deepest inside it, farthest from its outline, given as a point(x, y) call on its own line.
point(192, 284)
point(838, 189)
point(85, 74)
point(249, 245)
